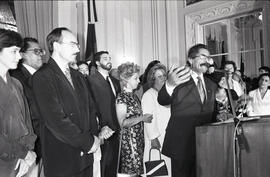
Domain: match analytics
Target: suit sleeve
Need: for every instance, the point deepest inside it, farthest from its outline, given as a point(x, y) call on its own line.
point(163, 96)
point(54, 116)
point(103, 105)
point(10, 148)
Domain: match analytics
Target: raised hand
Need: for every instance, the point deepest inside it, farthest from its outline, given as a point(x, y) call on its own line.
point(178, 75)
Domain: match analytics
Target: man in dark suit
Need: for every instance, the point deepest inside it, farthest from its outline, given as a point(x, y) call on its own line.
point(104, 89)
point(31, 54)
point(68, 127)
point(192, 100)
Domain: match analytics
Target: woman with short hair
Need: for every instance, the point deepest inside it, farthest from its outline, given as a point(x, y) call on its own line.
point(16, 133)
point(259, 103)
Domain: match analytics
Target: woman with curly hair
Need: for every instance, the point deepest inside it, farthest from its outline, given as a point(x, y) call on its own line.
point(131, 120)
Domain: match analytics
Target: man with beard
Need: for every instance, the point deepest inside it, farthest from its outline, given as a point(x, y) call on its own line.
point(192, 99)
point(104, 89)
point(68, 125)
point(31, 54)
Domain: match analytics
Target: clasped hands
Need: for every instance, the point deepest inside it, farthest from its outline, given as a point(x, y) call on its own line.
point(23, 165)
point(105, 133)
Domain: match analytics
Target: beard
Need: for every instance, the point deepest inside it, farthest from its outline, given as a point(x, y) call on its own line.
point(107, 67)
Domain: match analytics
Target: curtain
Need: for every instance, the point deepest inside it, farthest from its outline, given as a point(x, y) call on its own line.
point(80, 30)
point(133, 31)
point(36, 19)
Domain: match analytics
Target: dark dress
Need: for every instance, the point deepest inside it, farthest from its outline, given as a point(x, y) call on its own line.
point(131, 157)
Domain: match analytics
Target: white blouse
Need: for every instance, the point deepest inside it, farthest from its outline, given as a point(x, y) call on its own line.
point(258, 105)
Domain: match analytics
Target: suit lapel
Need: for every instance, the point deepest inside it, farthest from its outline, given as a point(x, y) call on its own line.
point(116, 85)
point(105, 84)
point(58, 73)
point(27, 75)
point(101, 79)
point(209, 91)
point(25, 72)
point(192, 86)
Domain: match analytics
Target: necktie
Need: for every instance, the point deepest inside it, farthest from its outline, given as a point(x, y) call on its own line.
point(201, 89)
point(111, 89)
point(68, 76)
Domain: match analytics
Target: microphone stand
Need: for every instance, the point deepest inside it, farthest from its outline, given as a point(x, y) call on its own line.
point(238, 129)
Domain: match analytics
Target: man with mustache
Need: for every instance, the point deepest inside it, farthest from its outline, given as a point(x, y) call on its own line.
point(31, 53)
point(69, 129)
point(192, 100)
point(104, 89)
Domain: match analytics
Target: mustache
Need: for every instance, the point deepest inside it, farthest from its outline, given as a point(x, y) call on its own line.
point(205, 64)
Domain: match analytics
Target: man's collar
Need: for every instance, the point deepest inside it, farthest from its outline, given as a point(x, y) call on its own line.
point(62, 65)
point(194, 75)
point(104, 74)
point(30, 69)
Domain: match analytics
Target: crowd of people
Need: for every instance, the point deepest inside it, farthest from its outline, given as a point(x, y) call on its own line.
point(73, 119)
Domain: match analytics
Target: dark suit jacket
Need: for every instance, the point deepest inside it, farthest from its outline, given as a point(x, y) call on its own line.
point(68, 120)
point(105, 102)
point(25, 77)
point(187, 111)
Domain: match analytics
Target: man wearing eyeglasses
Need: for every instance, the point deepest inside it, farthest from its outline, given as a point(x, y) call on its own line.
point(192, 100)
point(31, 54)
point(69, 132)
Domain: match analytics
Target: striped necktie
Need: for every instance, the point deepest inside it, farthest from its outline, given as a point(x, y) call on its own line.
point(68, 76)
point(201, 89)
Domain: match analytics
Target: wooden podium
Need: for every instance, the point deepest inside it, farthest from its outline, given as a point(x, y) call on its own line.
point(214, 146)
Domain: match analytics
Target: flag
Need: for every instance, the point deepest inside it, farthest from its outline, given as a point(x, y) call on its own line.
point(242, 65)
point(91, 43)
point(223, 57)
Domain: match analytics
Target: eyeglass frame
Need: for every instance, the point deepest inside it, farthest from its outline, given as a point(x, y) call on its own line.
point(37, 51)
point(202, 55)
point(72, 44)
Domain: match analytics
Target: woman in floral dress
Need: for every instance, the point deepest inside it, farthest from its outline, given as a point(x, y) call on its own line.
point(131, 119)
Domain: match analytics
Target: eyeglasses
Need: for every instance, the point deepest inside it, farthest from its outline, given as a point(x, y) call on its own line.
point(72, 44)
point(204, 56)
point(37, 51)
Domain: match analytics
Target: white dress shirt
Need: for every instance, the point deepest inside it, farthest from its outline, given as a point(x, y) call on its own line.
point(30, 69)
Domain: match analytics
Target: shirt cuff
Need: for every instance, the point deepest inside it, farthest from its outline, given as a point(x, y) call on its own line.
point(95, 145)
point(169, 88)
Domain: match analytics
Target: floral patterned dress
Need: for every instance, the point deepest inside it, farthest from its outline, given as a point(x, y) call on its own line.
point(132, 143)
